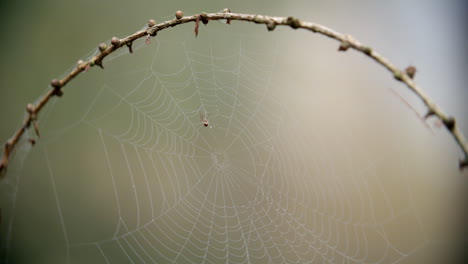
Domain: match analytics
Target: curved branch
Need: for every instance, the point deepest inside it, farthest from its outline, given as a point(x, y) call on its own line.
point(346, 42)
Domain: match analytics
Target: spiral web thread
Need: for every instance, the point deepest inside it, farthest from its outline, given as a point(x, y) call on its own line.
point(242, 190)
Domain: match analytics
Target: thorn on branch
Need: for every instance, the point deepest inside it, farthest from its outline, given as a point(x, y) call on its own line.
point(410, 71)
point(179, 14)
point(197, 25)
point(129, 45)
point(344, 46)
point(271, 25)
point(293, 22)
point(204, 18)
point(463, 164)
point(449, 123)
point(36, 127)
point(99, 63)
point(148, 39)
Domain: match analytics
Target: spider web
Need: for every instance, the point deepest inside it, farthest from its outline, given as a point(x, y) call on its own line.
point(137, 178)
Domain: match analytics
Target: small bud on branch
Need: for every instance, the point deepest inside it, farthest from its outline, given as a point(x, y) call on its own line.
point(179, 14)
point(102, 47)
point(115, 41)
point(55, 83)
point(293, 22)
point(410, 71)
point(30, 108)
point(204, 18)
point(151, 23)
point(344, 46)
point(57, 87)
point(271, 25)
point(449, 122)
point(398, 76)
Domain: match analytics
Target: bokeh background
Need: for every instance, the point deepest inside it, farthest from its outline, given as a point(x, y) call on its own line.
point(345, 142)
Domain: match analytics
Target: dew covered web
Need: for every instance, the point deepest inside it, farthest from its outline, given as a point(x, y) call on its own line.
point(135, 177)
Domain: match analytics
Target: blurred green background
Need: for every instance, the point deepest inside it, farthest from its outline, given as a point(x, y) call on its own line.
point(346, 171)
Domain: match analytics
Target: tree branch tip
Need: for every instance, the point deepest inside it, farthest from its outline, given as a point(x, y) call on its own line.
point(293, 22)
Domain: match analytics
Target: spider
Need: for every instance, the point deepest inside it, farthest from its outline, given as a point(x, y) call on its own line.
point(204, 119)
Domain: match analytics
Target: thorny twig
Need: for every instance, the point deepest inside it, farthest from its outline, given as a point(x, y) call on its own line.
point(346, 42)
